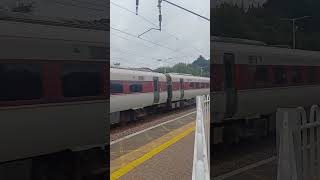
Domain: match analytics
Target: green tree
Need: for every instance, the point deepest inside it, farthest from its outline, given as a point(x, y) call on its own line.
point(264, 23)
point(24, 7)
point(195, 68)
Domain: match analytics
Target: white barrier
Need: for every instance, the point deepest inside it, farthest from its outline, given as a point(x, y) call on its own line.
point(299, 144)
point(201, 157)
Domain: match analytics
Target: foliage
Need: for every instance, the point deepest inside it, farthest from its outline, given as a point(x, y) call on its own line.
point(264, 23)
point(193, 68)
point(24, 7)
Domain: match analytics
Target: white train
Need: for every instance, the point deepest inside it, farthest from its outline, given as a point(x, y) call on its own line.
point(133, 92)
point(53, 95)
point(251, 80)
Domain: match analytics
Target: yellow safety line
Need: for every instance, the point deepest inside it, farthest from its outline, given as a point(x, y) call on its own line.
point(133, 164)
point(135, 154)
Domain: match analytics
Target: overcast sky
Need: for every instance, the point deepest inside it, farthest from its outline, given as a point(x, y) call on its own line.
point(184, 36)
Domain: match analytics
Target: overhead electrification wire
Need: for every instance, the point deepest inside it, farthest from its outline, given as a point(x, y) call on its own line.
point(146, 57)
point(174, 58)
point(150, 22)
point(146, 46)
point(176, 51)
point(133, 53)
point(142, 17)
point(145, 19)
point(140, 62)
point(137, 42)
point(155, 63)
point(130, 53)
point(186, 10)
point(129, 34)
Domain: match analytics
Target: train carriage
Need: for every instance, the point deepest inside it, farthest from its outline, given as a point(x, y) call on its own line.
point(252, 79)
point(186, 87)
point(136, 92)
point(53, 94)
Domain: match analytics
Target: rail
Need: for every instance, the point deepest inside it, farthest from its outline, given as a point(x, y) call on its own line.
point(201, 156)
point(299, 143)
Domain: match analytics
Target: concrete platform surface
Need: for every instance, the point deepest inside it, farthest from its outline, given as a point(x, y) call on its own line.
point(164, 152)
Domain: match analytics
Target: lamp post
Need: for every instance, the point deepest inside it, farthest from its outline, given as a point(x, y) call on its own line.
point(162, 60)
point(294, 28)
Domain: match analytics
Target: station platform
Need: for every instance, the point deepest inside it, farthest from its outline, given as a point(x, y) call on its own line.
point(162, 152)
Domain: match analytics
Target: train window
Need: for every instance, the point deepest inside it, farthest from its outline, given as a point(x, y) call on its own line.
point(197, 85)
point(192, 85)
point(280, 75)
point(99, 52)
point(20, 82)
point(261, 74)
point(253, 59)
point(312, 75)
point(135, 88)
point(203, 85)
point(229, 70)
point(296, 75)
point(116, 88)
point(79, 80)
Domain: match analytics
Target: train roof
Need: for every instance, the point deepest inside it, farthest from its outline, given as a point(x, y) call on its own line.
point(24, 26)
point(101, 24)
point(152, 73)
point(237, 41)
point(265, 50)
point(31, 37)
point(134, 71)
point(177, 75)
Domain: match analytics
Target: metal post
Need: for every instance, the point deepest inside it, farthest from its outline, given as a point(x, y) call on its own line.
point(186, 66)
point(288, 166)
point(294, 28)
point(294, 33)
point(137, 6)
point(160, 15)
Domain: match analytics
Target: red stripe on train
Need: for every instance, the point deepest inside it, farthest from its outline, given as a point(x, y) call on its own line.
point(265, 76)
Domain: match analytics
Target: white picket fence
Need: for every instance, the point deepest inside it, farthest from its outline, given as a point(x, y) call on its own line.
point(201, 157)
point(299, 144)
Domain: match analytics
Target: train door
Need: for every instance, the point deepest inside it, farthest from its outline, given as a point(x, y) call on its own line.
point(156, 90)
point(181, 89)
point(169, 89)
point(229, 84)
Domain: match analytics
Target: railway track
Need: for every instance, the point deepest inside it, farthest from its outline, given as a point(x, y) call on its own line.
point(150, 121)
point(230, 160)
